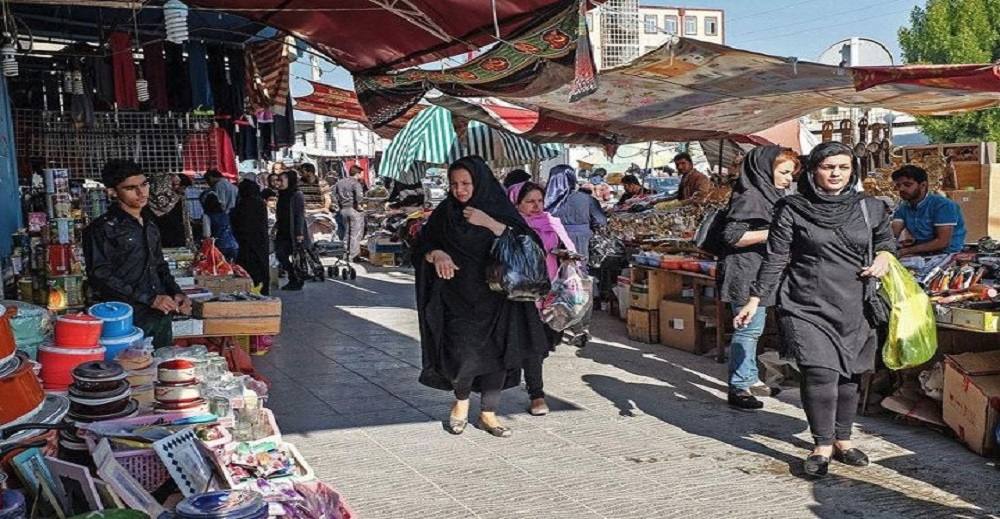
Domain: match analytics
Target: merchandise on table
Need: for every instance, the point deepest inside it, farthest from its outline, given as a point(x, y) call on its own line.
point(116, 318)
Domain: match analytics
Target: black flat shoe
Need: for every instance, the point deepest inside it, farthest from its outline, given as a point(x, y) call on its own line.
point(456, 426)
point(744, 401)
point(852, 457)
point(816, 466)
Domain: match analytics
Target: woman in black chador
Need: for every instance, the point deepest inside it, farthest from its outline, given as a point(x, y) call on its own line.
point(472, 338)
point(819, 260)
point(249, 219)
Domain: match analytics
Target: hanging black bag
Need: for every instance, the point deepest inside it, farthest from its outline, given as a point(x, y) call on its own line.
point(708, 237)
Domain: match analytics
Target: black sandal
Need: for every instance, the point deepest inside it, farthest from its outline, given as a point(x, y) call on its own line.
point(456, 426)
point(816, 466)
point(853, 457)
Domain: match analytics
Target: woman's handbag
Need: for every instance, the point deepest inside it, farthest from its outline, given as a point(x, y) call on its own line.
point(708, 237)
point(877, 309)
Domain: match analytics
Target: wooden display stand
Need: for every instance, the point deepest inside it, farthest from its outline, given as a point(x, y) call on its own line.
point(686, 306)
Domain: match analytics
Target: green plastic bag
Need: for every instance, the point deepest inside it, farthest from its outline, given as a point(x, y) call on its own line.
point(912, 337)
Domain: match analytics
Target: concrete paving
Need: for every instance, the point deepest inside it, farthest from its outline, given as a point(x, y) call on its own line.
point(637, 431)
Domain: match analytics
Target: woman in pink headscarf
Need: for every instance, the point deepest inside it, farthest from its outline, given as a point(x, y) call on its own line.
point(529, 198)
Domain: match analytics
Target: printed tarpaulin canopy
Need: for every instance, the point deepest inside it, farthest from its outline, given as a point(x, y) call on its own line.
point(430, 140)
point(693, 90)
point(378, 35)
point(343, 104)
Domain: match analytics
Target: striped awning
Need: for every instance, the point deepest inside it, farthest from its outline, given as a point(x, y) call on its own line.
point(430, 140)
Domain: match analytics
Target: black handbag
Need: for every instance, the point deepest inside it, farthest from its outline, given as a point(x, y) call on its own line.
point(876, 309)
point(708, 237)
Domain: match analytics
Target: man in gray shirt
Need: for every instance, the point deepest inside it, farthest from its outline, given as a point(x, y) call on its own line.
point(224, 189)
point(349, 195)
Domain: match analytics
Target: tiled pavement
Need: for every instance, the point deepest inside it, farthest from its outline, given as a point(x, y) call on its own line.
point(637, 431)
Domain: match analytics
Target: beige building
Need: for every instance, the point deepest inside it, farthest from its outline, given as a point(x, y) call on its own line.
point(622, 30)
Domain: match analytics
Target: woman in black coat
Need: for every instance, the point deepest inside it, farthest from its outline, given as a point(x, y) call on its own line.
point(820, 247)
point(249, 219)
point(290, 225)
point(472, 338)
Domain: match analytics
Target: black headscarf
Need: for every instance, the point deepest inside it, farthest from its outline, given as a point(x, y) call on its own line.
point(823, 209)
point(516, 177)
point(448, 225)
point(755, 195)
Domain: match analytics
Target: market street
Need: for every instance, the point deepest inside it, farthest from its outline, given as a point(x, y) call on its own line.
point(637, 430)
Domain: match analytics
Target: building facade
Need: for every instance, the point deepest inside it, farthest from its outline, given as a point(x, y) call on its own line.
point(623, 30)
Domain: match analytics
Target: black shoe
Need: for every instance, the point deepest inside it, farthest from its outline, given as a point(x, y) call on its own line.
point(852, 457)
point(744, 401)
point(763, 390)
point(292, 286)
point(816, 466)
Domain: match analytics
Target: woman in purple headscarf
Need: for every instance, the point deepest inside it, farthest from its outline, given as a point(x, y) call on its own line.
point(529, 198)
point(579, 212)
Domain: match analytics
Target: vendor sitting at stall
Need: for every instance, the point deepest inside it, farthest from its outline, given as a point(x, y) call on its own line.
point(695, 186)
point(633, 188)
point(933, 223)
point(124, 256)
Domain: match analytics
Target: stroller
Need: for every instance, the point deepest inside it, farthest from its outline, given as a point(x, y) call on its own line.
point(329, 251)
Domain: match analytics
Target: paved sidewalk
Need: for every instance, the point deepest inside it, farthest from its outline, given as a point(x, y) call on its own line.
point(637, 431)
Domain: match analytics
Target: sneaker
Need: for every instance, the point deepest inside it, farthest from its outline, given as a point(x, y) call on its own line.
point(745, 401)
point(761, 389)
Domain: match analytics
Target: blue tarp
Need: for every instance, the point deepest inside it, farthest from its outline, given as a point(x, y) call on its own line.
point(10, 198)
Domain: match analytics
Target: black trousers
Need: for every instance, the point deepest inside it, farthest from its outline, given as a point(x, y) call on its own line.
point(830, 402)
point(533, 376)
point(283, 250)
point(155, 324)
point(491, 385)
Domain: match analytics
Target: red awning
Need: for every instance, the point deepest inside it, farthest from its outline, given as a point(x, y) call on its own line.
point(343, 104)
point(368, 36)
point(976, 78)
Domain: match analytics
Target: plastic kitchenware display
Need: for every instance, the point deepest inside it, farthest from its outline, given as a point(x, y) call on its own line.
point(116, 316)
point(58, 364)
point(115, 345)
point(22, 396)
point(77, 331)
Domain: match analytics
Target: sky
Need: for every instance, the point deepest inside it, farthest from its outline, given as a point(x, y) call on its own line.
point(787, 28)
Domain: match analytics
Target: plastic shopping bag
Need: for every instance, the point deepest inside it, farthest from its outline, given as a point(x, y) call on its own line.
point(912, 335)
point(570, 299)
point(518, 268)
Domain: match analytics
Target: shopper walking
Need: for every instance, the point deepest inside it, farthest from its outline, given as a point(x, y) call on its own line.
point(472, 338)
point(819, 247)
point(581, 215)
point(290, 226)
point(219, 225)
point(579, 212)
point(350, 196)
point(767, 172)
point(529, 198)
point(249, 219)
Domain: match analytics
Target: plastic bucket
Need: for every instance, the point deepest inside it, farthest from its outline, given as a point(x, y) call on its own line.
point(78, 331)
point(58, 364)
point(116, 345)
point(117, 318)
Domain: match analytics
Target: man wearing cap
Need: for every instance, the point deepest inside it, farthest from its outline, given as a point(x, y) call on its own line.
point(124, 256)
point(694, 185)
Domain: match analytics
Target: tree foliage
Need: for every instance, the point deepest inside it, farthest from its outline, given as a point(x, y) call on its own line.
point(955, 31)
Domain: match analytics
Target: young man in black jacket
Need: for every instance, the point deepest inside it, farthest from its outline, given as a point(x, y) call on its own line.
point(124, 256)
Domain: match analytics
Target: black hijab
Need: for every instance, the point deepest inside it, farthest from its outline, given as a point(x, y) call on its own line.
point(448, 226)
point(823, 209)
point(755, 195)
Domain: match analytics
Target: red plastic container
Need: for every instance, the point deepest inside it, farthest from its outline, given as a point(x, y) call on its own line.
point(7, 342)
point(78, 331)
point(58, 364)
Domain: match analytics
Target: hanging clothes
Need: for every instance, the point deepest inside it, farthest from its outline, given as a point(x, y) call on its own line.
point(10, 196)
point(210, 149)
point(104, 81)
point(237, 82)
point(284, 125)
point(154, 68)
point(124, 71)
point(246, 138)
point(201, 88)
point(178, 86)
point(218, 79)
point(266, 72)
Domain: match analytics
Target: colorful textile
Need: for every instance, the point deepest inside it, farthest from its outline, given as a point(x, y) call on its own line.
point(585, 73)
point(343, 104)
point(267, 65)
point(124, 70)
point(540, 60)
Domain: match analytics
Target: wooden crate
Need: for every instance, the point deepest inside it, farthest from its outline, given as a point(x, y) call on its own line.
point(229, 309)
point(644, 325)
point(224, 284)
point(242, 326)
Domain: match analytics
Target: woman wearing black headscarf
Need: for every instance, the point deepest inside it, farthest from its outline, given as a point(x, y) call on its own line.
point(290, 225)
point(472, 338)
point(819, 260)
point(249, 219)
point(766, 173)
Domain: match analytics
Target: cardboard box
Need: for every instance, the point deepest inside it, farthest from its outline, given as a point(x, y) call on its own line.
point(972, 398)
point(969, 174)
point(229, 309)
point(678, 327)
point(978, 320)
point(382, 259)
point(243, 326)
point(639, 298)
point(643, 325)
point(224, 284)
